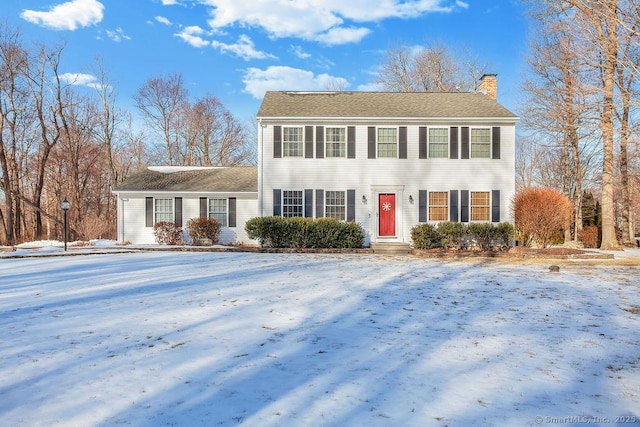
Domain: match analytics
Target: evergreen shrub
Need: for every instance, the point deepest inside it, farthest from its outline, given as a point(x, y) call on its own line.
point(280, 232)
point(452, 234)
point(425, 236)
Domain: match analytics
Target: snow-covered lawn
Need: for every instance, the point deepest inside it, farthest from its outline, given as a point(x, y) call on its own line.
point(205, 339)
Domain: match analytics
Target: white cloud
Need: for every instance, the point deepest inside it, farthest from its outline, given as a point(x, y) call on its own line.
point(306, 20)
point(169, 2)
point(118, 35)
point(343, 35)
point(162, 20)
point(192, 35)
point(67, 16)
point(462, 4)
point(258, 81)
point(80, 79)
point(370, 87)
point(299, 52)
point(244, 48)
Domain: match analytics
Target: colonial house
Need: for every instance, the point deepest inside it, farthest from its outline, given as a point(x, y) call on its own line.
point(177, 194)
point(388, 161)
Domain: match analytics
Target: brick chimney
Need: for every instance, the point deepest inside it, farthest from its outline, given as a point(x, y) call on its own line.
point(489, 86)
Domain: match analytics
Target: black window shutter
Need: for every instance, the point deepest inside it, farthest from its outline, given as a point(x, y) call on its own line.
point(495, 205)
point(351, 142)
point(203, 207)
point(464, 205)
point(351, 205)
point(464, 154)
point(422, 142)
point(422, 205)
point(149, 211)
point(232, 212)
point(319, 203)
point(308, 203)
point(319, 142)
point(277, 202)
point(453, 205)
point(178, 211)
point(495, 143)
point(308, 142)
point(371, 142)
point(277, 142)
point(453, 143)
point(402, 142)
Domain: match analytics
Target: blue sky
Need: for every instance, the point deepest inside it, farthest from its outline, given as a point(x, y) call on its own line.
point(238, 49)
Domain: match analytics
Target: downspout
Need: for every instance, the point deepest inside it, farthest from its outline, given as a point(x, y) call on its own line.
point(260, 166)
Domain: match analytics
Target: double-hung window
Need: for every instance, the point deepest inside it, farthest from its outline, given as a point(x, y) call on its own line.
point(218, 210)
point(292, 203)
point(438, 143)
point(335, 139)
point(335, 205)
point(292, 142)
point(481, 143)
point(480, 206)
point(388, 142)
point(438, 206)
point(163, 210)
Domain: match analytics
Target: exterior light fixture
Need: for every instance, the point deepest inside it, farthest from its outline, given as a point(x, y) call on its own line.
point(65, 205)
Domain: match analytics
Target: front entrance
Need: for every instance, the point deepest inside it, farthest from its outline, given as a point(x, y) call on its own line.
point(387, 214)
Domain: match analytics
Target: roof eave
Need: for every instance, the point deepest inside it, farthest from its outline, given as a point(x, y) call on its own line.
point(264, 119)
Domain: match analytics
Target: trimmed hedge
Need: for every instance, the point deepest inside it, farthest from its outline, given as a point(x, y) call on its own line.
point(425, 236)
point(281, 232)
point(454, 235)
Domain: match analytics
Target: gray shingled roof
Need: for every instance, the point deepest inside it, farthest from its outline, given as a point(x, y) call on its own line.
point(381, 104)
point(233, 179)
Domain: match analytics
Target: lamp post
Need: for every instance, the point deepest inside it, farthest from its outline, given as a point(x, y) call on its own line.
point(65, 205)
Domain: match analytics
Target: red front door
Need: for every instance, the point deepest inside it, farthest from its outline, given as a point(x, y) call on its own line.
point(387, 214)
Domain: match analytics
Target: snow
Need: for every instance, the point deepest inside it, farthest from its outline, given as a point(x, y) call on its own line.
point(206, 339)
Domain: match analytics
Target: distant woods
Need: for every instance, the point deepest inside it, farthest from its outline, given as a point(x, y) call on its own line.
point(61, 139)
point(578, 131)
point(580, 113)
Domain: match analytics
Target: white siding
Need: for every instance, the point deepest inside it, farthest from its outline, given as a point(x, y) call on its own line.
point(132, 215)
point(405, 177)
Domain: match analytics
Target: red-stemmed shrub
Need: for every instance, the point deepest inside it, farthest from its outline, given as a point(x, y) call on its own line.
point(167, 233)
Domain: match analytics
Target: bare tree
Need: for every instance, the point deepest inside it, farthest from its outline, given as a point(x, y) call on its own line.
point(161, 102)
point(626, 82)
point(599, 22)
point(13, 102)
point(559, 104)
point(433, 68)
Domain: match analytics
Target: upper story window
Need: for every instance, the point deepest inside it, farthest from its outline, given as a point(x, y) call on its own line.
point(292, 203)
point(481, 143)
point(335, 141)
point(480, 206)
point(438, 206)
point(218, 210)
point(335, 205)
point(163, 210)
point(438, 143)
point(292, 142)
point(388, 142)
